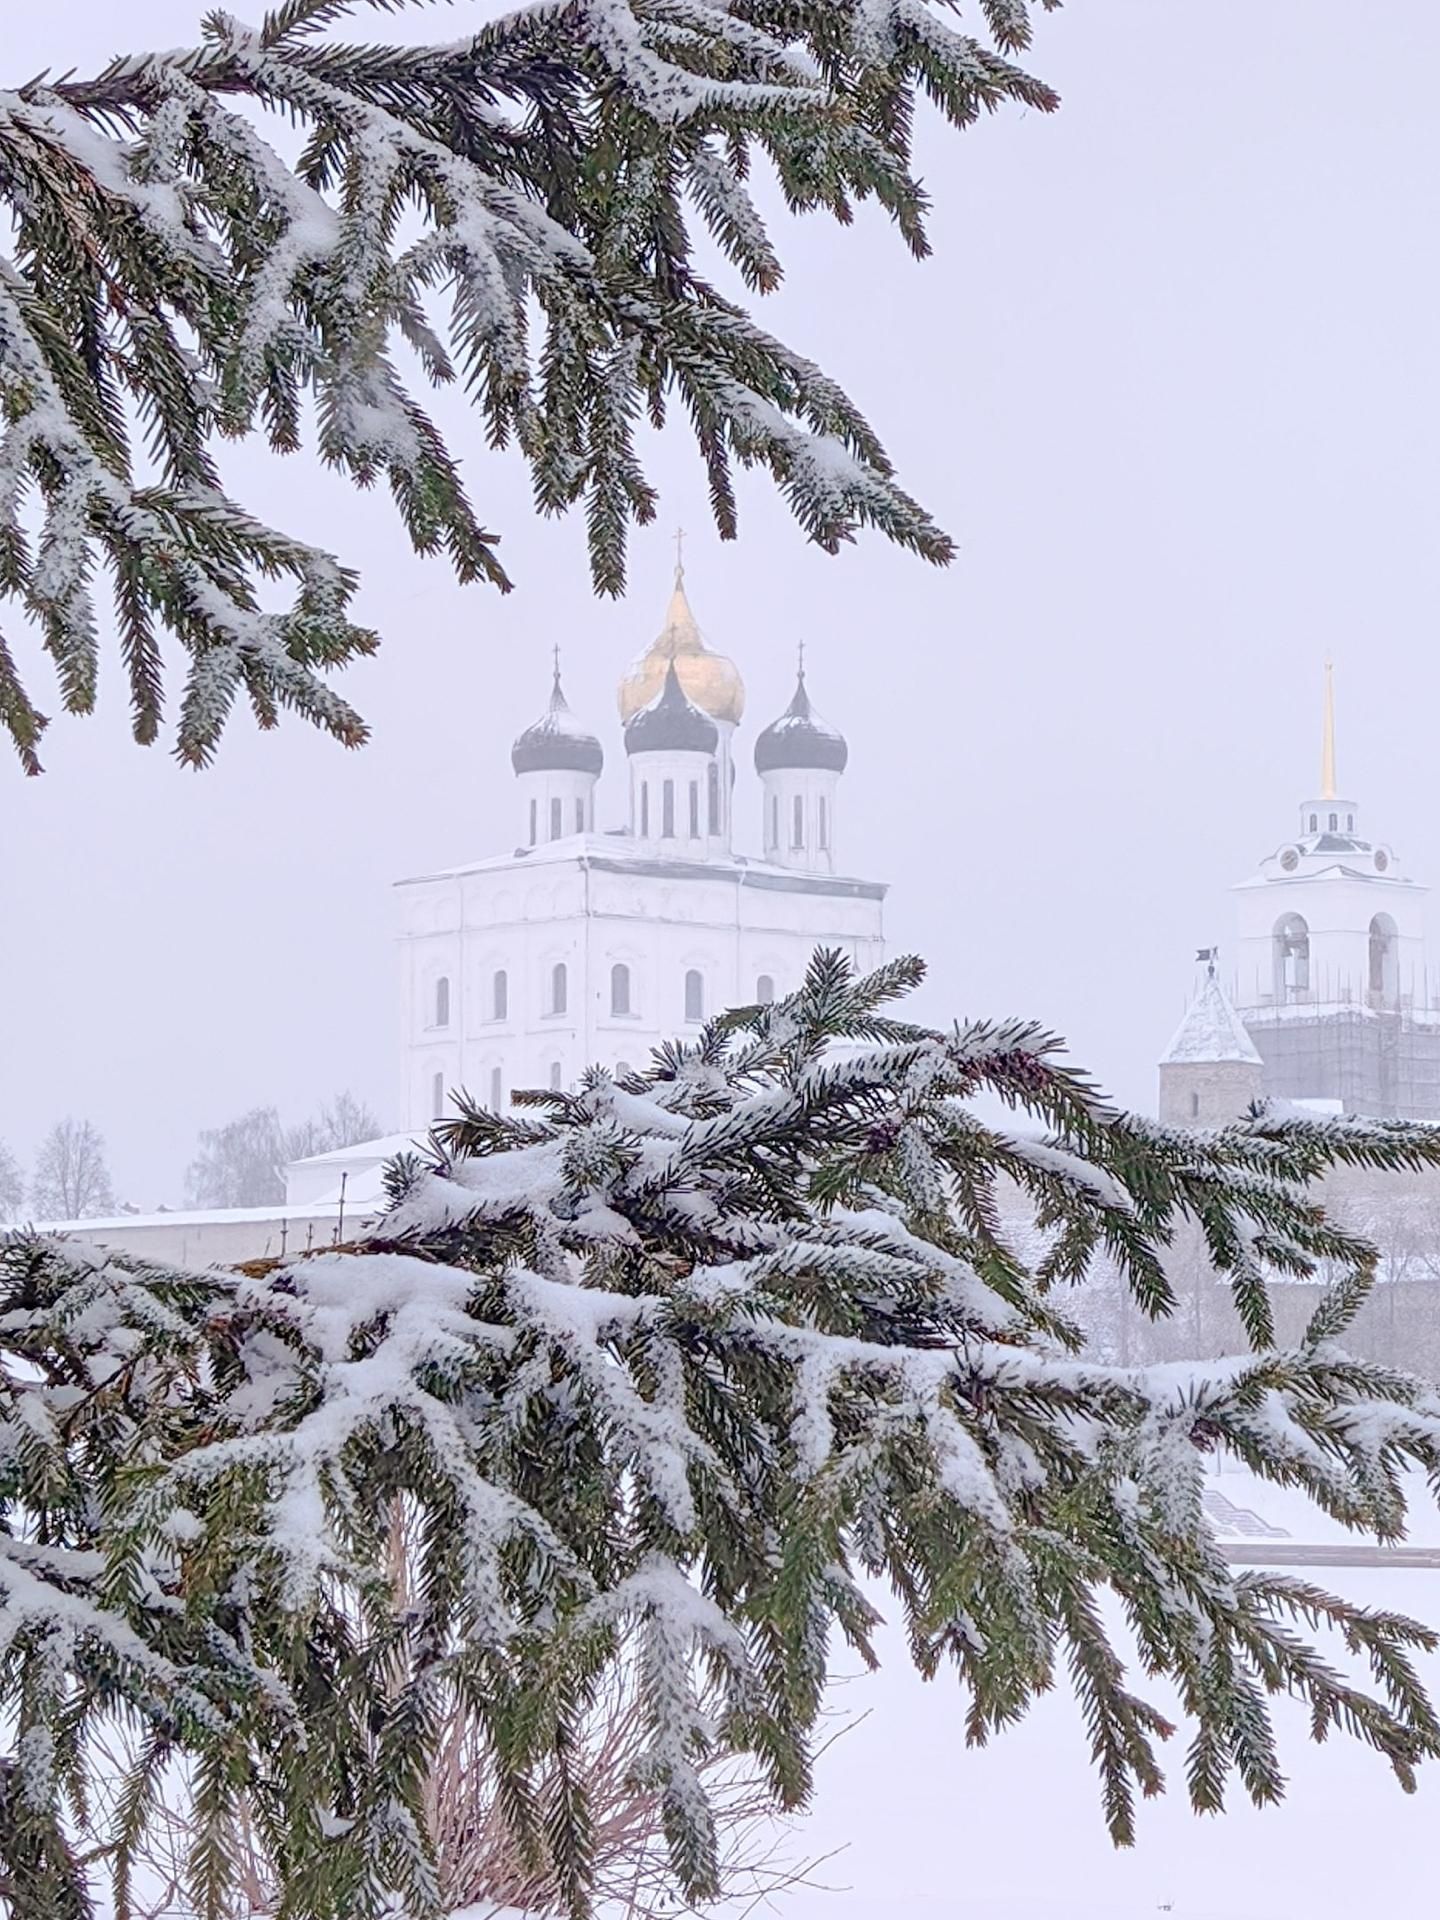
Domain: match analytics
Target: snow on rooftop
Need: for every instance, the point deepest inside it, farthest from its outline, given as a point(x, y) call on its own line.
point(384, 1148)
point(1211, 1030)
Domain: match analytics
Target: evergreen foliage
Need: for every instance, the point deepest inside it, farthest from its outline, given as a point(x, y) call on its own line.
point(513, 213)
point(686, 1370)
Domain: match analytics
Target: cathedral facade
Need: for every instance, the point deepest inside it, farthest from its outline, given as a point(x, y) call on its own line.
point(1331, 1000)
point(586, 945)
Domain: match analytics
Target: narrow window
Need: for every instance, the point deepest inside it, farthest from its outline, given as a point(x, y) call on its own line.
point(500, 995)
point(554, 1076)
point(559, 984)
point(667, 810)
point(1334, 821)
point(797, 823)
point(534, 819)
point(712, 791)
point(774, 822)
point(694, 995)
point(1314, 822)
point(645, 811)
point(442, 1001)
point(1194, 1104)
point(579, 816)
point(824, 826)
point(437, 1096)
point(694, 809)
point(557, 820)
point(619, 988)
point(1349, 823)
point(765, 990)
point(1292, 957)
point(495, 1093)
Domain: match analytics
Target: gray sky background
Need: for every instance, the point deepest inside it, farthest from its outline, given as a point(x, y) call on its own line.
point(1170, 379)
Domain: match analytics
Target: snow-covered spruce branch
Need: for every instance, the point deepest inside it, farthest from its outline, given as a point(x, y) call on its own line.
point(662, 1385)
point(175, 279)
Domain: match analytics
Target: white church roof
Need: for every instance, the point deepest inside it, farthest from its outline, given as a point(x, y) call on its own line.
point(617, 852)
point(1211, 1030)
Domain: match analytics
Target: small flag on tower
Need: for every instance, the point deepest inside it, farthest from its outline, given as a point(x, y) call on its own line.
point(1208, 953)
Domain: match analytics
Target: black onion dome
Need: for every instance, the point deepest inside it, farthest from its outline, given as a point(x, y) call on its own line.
point(670, 724)
point(800, 738)
point(557, 743)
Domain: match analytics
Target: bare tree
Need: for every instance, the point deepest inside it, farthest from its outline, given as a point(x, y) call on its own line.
point(239, 1164)
point(340, 1123)
point(72, 1181)
point(242, 1164)
point(12, 1185)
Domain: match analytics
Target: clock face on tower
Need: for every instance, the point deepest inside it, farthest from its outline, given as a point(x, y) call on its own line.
point(1382, 860)
point(1289, 859)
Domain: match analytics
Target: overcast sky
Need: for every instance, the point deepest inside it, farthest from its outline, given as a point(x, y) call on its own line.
point(1170, 381)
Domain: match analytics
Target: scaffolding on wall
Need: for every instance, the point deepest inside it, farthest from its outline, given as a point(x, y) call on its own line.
point(1380, 1061)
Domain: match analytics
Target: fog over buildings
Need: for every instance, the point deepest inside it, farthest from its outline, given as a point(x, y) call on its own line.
point(1170, 380)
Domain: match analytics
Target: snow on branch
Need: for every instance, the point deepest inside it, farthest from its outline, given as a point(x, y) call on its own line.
point(662, 1377)
point(552, 161)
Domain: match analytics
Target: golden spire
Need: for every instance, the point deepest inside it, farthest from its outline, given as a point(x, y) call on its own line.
point(1327, 744)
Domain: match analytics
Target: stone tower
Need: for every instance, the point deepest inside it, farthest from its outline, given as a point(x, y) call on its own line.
point(1331, 975)
point(1211, 1072)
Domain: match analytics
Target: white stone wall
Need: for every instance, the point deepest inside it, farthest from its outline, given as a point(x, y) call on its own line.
point(1337, 910)
point(554, 803)
point(590, 911)
point(686, 774)
point(800, 798)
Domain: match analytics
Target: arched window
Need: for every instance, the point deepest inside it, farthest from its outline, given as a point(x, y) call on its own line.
point(694, 995)
point(579, 816)
point(442, 1001)
point(557, 820)
point(1314, 822)
point(437, 1096)
point(496, 1090)
point(765, 990)
point(667, 810)
point(620, 988)
point(1384, 960)
point(1334, 821)
point(559, 987)
point(645, 810)
point(534, 819)
point(824, 825)
point(797, 823)
point(694, 809)
point(712, 793)
point(774, 822)
point(500, 994)
point(1349, 823)
point(1292, 957)
point(554, 1076)
point(1194, 1104)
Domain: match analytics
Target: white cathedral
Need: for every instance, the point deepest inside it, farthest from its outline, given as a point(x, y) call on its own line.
point(589, 945)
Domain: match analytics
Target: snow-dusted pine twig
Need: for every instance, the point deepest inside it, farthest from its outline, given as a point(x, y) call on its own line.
point(512, 212)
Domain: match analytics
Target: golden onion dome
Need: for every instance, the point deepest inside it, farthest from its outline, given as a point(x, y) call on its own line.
point(708, 680)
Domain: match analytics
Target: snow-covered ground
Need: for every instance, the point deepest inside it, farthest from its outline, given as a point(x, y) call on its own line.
point(933, 1831)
